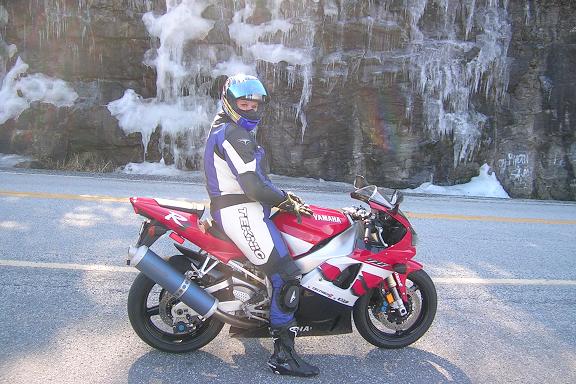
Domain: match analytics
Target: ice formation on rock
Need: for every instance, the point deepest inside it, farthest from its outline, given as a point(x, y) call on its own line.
point(459, 56)
point(18, 91)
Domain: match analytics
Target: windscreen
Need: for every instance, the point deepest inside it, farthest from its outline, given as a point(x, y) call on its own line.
point(370, 194)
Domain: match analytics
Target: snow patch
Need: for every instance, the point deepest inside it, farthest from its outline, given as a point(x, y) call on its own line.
point(156, 169)
point(484, 185)
point(11, 160)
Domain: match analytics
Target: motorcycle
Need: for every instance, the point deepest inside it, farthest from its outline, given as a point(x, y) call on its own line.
point(355, 262)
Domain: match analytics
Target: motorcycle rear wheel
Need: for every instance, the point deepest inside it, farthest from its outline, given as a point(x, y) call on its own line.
point(144, 314)
point(384, 332)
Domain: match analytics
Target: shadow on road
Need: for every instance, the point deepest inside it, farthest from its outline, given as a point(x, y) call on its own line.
point(408, 365)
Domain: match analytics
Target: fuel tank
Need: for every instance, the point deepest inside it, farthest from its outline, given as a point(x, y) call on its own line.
point(324, 224)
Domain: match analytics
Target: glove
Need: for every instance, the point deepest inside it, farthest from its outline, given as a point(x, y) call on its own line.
point(294, 204)
point(294, 197)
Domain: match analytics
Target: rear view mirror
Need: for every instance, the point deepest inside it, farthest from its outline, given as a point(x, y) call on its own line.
point(397, 198)
point(360, 182)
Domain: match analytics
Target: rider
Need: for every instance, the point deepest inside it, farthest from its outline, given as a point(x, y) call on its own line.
point(241, 199)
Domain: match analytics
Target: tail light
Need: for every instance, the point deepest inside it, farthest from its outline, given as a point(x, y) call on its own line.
point(414, 237)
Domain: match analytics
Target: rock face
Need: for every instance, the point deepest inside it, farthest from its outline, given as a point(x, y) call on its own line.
point(97, 47)
point(403, 92)
point(534, 138)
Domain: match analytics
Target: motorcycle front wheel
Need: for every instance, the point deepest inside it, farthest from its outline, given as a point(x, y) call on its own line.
point(383, 327)
point(150, 316)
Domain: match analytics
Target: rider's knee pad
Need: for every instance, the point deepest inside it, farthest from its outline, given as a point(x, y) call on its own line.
point(290, 295)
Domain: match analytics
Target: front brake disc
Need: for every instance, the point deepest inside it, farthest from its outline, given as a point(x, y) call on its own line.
point(392, 320)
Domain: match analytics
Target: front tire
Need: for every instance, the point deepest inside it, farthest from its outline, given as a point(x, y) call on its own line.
point(144, 301)
point(382, 327)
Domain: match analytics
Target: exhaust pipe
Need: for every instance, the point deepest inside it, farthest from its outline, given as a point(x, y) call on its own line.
point(165, 275)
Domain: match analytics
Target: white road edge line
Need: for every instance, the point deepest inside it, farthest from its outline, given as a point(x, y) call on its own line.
point(437, 280)
point(497, 281)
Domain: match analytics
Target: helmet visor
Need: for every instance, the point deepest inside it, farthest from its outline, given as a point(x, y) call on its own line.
point(248, 89)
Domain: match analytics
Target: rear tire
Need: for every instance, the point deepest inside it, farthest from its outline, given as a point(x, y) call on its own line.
point(385, 331)
point(144, 314)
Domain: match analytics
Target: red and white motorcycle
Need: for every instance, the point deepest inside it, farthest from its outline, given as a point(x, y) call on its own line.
point(355, 262)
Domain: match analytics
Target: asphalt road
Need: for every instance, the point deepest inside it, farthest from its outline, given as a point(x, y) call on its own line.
point(505, 271)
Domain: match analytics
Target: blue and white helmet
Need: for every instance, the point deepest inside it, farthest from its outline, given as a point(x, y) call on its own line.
point(245, 87)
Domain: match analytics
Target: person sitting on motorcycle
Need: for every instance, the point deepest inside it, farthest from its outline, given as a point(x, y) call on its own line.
point(241, 199)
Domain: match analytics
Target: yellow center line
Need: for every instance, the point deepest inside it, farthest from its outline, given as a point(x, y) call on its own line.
point(412, 215)
point(440, 216)
point(68, 266)
point(64, 196)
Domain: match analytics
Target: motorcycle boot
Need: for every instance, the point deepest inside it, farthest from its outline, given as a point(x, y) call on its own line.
point(285, 360)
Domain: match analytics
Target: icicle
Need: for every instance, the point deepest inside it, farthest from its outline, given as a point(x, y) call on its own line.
point(447, 83)
point(181, 108)
point(470, 6)
point(369, 21)
point(528, 13)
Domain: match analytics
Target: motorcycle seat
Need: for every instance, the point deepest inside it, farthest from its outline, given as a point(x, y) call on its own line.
point(213, 228)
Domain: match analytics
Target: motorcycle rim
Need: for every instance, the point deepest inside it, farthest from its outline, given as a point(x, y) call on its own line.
point(145, 317)
point(388, 331)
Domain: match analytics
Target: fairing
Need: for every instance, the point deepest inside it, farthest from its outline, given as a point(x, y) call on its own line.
point(187, 225)
point(327, 247)
point(316, 316)
point(324, 224)
point(341, 245)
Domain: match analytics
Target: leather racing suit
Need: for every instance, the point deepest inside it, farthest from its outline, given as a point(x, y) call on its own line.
point(241, 197)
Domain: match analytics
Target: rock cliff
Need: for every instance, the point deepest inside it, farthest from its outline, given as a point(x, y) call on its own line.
point(402, 91)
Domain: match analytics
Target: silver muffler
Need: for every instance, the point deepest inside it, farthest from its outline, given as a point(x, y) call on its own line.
point(165, 275)
point(185, 290)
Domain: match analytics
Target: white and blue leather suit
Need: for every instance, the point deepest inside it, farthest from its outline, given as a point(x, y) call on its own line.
point(242, 197)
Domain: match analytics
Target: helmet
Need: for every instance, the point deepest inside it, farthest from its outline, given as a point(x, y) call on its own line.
point(243, 87)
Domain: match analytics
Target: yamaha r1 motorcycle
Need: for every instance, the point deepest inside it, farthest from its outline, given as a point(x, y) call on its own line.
point(356, 262)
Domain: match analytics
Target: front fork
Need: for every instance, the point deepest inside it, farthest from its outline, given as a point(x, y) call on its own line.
point(396, 293)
